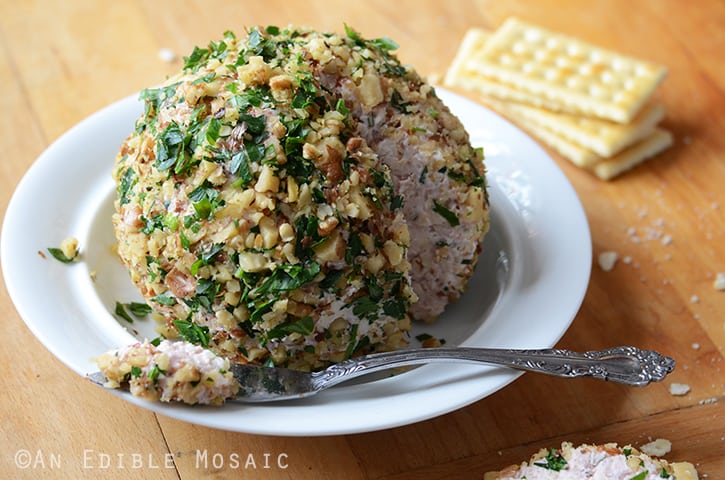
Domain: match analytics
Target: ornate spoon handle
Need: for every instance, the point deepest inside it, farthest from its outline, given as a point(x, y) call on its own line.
point(625, 365)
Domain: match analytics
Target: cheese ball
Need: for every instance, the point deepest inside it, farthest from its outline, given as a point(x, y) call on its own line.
point(266, 199)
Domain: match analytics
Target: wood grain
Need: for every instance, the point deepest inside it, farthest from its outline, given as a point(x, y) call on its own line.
point(62, 60)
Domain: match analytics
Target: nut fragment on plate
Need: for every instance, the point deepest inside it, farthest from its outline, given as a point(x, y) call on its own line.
point(589, 462)
point(68, 251)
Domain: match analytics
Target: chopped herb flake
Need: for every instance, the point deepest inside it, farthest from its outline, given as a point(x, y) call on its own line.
point(384, 43)
point(354, 36)
point(169, 147)
point(396, 101)
point(250, 97)
point(553, 461)
point(341, 107)
point(331, 279)
point(58, 254)
point(423, 174)
point(396, 202)
point(288, 277)
point(306, 94)
point(164, 299)
point(240, 166)
point(212, 130)
point(303, 326)
point(255, 125)
point(354, 248)
point(206, 257)
point(353, 341)
point(192, 332)
point(364, 307)
point(205, 79)
point(395, 307)
point(450, 217)
point(196, 59)
point(155, 372)
point(204, 199)
point(137, 309)
point(128, 180)
point(153, 98)
point(121, 312)
point(185, 242)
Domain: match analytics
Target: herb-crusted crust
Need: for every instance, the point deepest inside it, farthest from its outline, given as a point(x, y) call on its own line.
point(254, 213)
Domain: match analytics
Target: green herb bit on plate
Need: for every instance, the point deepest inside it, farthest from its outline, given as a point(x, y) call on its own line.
point(68, 251)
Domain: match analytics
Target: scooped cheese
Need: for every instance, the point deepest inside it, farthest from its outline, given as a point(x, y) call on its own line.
point(598, 462)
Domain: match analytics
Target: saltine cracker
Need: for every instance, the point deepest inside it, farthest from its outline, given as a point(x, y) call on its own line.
point(571, 75)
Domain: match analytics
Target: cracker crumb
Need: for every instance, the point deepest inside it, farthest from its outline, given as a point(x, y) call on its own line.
point(658, 448)
point(607, 260)
point(652, 234)
point(696, 346)
point(695, 299)
point(667, 240)
point(627, 260)
point(679, 389)
point(707, 401)
point(719, 283)
point(167, 55)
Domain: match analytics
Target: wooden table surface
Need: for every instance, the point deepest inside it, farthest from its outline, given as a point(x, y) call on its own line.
point(62, 60)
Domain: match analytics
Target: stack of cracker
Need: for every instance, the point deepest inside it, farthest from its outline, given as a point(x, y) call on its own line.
point(591, 105)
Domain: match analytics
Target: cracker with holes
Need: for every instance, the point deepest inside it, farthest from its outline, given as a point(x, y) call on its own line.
point(572, 74)
point(591, 105)
point(646, 146)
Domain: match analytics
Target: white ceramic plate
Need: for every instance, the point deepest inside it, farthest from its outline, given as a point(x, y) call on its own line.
point(529, 283)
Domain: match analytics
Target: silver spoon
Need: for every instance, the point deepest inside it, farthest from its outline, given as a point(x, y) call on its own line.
point(625, 365)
